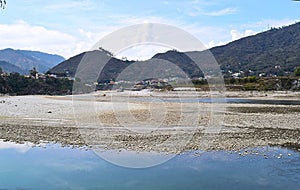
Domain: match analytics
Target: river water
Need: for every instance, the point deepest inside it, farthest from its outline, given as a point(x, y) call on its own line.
point(51, 166)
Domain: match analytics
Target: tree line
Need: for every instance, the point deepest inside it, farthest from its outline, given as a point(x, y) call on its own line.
point(16, 84)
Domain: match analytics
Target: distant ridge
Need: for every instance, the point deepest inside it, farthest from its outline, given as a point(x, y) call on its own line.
point(10, 68)
point(25, 60)
point(274, 52)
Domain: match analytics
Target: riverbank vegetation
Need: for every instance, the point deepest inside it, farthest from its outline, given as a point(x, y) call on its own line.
point(16, 84)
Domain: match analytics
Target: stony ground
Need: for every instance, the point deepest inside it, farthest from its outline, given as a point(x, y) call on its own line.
point(135, 122)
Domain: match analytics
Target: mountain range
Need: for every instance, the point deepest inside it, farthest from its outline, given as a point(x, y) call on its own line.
point(273, 52)
point(9, 68)
point(22, 61)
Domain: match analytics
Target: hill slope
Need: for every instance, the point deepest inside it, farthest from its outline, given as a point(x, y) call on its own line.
point(10, 68)
point(274, 52)
point(112, 67)
point(26, 60)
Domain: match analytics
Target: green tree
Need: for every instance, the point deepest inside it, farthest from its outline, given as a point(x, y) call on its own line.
point(297, 72)
point(33, 72)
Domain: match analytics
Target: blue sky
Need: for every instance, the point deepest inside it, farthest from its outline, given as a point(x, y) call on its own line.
point(68, 27)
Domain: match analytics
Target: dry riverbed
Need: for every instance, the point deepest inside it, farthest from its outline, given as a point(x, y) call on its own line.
point(143, 125)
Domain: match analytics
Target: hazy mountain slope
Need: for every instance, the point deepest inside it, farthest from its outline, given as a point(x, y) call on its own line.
point(9, 68)
point(26, 60)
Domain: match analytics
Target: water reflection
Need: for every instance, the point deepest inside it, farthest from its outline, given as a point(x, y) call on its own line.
point(56, 167)
point(132, 159)
point(23, 148)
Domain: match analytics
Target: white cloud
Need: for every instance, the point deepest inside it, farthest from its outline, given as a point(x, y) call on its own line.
point(208, 8)
point(226, 11)
point(127, 20)
point(200, 11)
point(23, 148)
point(202, 3)
point(235, 34)
point(71, 5)
point(166, 2)
point(22, 35)
point(214, 44)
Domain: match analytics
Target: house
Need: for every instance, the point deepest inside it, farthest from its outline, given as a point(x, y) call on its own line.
point(262, 75)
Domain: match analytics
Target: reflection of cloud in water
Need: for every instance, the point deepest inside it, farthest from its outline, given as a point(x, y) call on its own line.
point(71, 166)
point(23, 148)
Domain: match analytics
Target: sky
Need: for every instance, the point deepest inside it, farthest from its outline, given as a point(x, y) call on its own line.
point(69, 27)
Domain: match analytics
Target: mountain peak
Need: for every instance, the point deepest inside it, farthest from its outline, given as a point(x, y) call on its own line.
point(25, 60)
point(273, 52)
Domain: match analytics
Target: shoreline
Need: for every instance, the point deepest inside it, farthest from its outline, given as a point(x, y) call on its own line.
point(51, 119)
